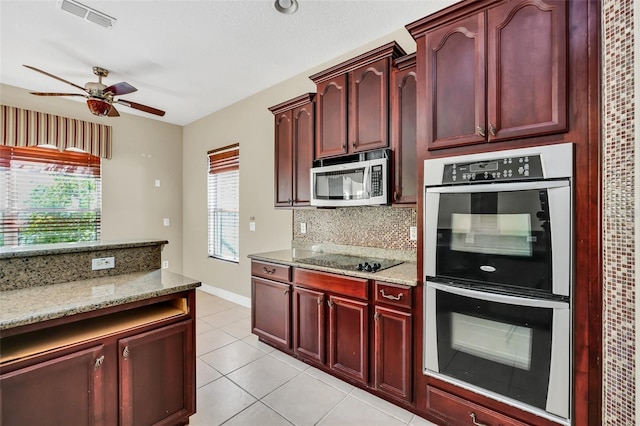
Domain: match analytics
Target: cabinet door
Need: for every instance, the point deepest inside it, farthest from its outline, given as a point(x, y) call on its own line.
point(309, 330)
point(455, 89)
point(349, 338)
point(303, 137)
point(68, 390)
point(527, 64)
point(284, 159)
point(271, 311)
point(369, 107)
point(403, 122)
point(392, 352)
point(157, 376)
point(331, 117)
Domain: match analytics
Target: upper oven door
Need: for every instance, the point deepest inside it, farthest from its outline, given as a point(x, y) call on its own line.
point(514, 234)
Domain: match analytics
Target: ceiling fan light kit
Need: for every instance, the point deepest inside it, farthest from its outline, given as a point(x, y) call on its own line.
point(286, 6)
point(87, 13)
point(98, 107)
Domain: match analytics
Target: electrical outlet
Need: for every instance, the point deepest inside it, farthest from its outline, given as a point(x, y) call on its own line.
point(303, 228)
point(413, 233)
point(165, 264)
point(157, 183)
point(252, 226)
point(103, 263)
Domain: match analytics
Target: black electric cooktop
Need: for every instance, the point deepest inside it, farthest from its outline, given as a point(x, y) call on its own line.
point(350, 263)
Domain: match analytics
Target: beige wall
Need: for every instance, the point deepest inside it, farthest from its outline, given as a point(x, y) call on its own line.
point(250, 123)
point(143, 150)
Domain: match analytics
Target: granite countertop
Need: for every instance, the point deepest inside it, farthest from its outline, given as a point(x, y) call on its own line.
point(35, 304)
point(58, 248)
point(405, 273)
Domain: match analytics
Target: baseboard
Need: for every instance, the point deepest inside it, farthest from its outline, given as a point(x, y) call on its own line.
point(226, 295)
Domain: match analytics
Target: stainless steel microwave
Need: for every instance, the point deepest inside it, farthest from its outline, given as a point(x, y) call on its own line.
point(360, 183)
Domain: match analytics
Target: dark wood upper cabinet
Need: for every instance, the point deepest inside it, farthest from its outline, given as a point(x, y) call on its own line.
point(294, 140)
point(496, 75)
point(353, 103)
point(403, 129)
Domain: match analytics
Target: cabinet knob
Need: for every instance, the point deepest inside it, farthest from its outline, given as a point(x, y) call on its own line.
point(125, 352)
point(353, 144)
point(286, 291)
point(376, 316)
point(492, 130)
point(330, 303)
point(475, 422)
point(320, 300)
point(480, 131)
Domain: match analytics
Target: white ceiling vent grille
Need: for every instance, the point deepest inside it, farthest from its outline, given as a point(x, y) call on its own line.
point(86, 13)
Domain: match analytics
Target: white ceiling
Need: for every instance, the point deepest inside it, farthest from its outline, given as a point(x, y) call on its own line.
point(189, 58)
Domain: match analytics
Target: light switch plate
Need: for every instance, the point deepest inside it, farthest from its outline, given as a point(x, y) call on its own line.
point(165, 264)
point(303, 228)
point(252, 226)
point(166, 221)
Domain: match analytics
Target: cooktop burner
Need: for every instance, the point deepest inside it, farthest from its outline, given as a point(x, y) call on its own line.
point(350, 263)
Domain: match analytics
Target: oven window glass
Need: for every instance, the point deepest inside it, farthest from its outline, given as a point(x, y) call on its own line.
point(502, 348)
point(341, 185)
point(498, 238)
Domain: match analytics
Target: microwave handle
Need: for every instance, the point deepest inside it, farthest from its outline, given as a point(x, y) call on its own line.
point(367, 180)
point(499, 298)
point(495, 187)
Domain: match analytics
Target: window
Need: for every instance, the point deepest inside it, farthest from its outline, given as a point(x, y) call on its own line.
point(47, 196)
point(223, 201)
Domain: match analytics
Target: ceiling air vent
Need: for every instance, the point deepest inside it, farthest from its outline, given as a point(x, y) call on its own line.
point(86, 13)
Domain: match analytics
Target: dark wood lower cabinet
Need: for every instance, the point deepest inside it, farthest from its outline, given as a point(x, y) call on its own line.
point(392, 352)
point(68, 390)
point(271, 318)
point(349, 337)
point(132, 364)
point(156, 375)
point(309, 335)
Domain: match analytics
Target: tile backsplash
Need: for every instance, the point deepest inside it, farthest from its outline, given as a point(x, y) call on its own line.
point(377, 227)
point(619, 357)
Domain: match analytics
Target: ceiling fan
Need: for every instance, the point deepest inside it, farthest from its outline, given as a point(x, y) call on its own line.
point(100, 98)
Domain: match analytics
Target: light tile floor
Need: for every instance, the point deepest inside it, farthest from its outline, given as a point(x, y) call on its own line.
point(243, 382)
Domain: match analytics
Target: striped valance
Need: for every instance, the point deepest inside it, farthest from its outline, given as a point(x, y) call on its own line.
point(21, 127)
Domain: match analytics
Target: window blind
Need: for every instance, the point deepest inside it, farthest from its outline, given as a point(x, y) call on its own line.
point(47, 196)
point(223, 196)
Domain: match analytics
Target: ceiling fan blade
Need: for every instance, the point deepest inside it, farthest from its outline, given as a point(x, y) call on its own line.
point(113, 112)
point(121, 88)
point(54, 76)
point(56, 94)
point(140, 107)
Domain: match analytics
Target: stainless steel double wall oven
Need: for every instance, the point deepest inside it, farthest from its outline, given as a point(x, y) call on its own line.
point(498, 275)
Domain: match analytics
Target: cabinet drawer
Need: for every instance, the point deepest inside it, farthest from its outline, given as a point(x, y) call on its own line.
point(454, 410)
point(393, 294)
point(271, 271)
point(345, 286)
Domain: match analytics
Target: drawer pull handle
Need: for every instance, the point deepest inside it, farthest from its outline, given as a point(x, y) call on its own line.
point(99, 362)
point(475, 422)
point(269, 271)
point(390, 296)
point(492, 130)
point(376, 316)
point(320, 299)
point(480, 132)
point(125, 352)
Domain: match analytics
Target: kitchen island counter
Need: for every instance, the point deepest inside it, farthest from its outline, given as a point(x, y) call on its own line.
point(404, 273)
point(35, 304)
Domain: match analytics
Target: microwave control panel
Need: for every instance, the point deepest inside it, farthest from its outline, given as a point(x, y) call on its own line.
point(502, 169)
point(377, 181)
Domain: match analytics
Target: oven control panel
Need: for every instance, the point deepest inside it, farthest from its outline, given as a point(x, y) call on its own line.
point(501, 169)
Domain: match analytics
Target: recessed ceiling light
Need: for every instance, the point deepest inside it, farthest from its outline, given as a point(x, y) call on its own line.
point(286, 6)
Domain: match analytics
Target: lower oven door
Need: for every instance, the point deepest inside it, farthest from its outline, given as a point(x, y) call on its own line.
point(513, 349)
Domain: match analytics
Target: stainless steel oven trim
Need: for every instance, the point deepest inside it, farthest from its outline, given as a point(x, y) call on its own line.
point(557, 161)
point(560, 368)
point(559, 193)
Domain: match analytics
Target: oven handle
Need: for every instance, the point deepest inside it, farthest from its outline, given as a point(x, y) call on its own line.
point(499, 298)
point(495, 187)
